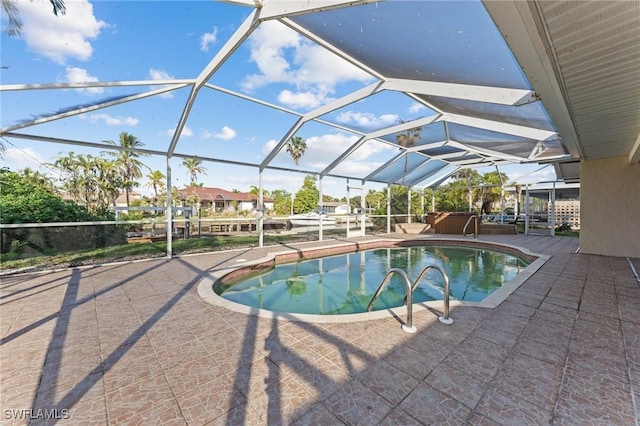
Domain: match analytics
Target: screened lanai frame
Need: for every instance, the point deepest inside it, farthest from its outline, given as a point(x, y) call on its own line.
point(433, 53)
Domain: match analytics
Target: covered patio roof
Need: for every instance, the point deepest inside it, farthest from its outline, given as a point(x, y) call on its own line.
point(488, 83)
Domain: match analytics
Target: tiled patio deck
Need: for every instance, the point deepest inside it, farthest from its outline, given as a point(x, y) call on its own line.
point(133, 343)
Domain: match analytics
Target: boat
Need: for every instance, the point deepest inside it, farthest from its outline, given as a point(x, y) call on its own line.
point(311, 219)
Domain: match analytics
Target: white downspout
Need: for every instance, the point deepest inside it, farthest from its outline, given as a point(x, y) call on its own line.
point(169, 211)
point(553, 210)
point(364, 210)
point(320, 233)
point(260, 211)
point(388, 208)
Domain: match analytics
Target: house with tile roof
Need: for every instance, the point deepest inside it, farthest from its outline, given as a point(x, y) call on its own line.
point(222, 200)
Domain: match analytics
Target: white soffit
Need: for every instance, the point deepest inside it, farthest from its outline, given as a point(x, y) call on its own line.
point(583, 58)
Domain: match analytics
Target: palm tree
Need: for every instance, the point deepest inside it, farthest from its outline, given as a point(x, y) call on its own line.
point(14, 28)
point(156, 180)
point(408, 139)
point(374, 198)
point(491, 190)
point(92, 181)
point(194, 168)
point(296, 147)
point(109, 180)
point(128, 161)
point(38, 179)
point(254, 190)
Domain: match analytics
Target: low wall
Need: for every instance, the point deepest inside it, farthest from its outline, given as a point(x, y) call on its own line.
point(413, 228)
point(449, 222)
point(496, 228)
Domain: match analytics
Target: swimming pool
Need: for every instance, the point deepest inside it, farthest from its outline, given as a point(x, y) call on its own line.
point(344, 284)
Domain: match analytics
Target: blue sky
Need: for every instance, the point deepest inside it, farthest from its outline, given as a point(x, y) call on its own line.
point(150, 40)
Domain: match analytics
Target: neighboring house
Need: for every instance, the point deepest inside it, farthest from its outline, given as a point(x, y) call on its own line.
point(121, 201)
point(335, 207)
point(222, 200)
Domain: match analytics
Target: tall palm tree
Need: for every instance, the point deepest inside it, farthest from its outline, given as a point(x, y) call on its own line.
point(92, 181)
point(108, 182)
point(194, 168)
point(296, 147)
point(156, 180)
point(38, 179)
point(14, 27)
point(408, 139)
point(128, 161)
point(491, 190)
point(468, 179)
point(254, 190)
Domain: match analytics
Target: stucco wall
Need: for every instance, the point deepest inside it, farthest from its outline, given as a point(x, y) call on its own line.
point(610, 207)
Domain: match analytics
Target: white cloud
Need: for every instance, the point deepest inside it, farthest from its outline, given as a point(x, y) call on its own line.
point(524, 176)
point(111, 121)
point(80, 75)
point(416, 107)
point(283, 56)
point(368, 120)
point(208, 39)
point(186, 132)
point(161, 75)
point(226, 134)
point(324, 149)
point(354, 168)
point(301, 99)
point(268, 147)
point(19, 159)
point(60, 37)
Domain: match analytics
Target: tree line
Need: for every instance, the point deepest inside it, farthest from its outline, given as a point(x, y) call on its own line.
point(95, 182)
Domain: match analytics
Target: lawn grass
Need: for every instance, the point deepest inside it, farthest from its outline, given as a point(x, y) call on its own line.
point(15, 261)
point(567, 233)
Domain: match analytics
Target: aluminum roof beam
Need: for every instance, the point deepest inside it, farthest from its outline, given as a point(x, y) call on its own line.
point(438, 180)
point(232, 44)
point(520, 27)
point(496, 126)
point(88, 85)
point(338, 103)
point(272, 9)
point(336, 51)
point(94, 107)
point(487, 152)
point(494, 95)
point(377, 134)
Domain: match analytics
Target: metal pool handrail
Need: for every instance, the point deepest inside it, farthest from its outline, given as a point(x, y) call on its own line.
point(408, 327)
point(444, 318)
point(475, 226)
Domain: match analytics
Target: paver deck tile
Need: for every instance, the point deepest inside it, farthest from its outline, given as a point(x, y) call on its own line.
point(134, 343)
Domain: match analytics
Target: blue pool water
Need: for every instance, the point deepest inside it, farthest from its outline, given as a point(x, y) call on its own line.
point(344, 284)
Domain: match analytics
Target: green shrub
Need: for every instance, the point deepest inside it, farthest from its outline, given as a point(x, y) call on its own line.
point(25, 200)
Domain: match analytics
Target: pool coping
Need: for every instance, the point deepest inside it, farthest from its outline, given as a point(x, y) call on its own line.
point(206, 285)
